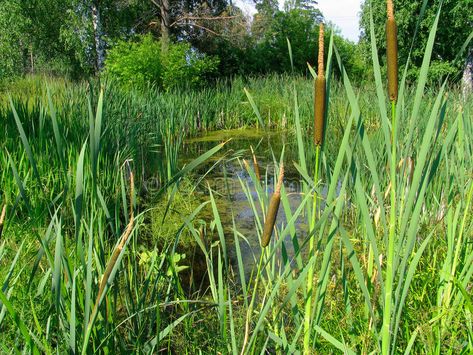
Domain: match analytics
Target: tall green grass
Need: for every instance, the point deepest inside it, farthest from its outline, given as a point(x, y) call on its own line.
point(74, 214)
point(65, 181)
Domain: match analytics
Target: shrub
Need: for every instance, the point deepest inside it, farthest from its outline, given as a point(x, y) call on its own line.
point(143, 62)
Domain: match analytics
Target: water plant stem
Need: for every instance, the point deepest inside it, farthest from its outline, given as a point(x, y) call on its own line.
point(386, 330)
point(310, 273)
point(250, 307)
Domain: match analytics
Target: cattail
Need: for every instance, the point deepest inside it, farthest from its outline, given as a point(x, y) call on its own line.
point(247, 166)
point(319, 101)
point(116, 252)
point(2, 218)
point(391, 52)
point(272, 210)
point(255, 165)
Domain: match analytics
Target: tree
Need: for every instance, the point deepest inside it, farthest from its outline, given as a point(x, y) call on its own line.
point(227, 37)
point(14, 42)
point(183, 18)
point(454, 27)
point(90, 25)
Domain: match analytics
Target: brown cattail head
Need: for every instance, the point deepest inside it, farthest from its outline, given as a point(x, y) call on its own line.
point(255, 165)
point(272, 210)
point(391, 52)
point(319, 101)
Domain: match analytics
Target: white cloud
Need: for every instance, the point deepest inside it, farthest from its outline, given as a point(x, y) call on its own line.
point(343, 13)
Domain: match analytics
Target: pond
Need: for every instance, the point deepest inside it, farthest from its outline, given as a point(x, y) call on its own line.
point(235, 191)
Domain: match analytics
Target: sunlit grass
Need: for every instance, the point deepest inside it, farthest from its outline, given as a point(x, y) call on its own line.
point(74, 214)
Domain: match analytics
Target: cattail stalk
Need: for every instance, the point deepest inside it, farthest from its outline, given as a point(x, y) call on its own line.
point(112, 261)
point(272, 210)
point(319, 110)
point(391, 52)
point(267, 232)
point(391, 49)
point(319, 99)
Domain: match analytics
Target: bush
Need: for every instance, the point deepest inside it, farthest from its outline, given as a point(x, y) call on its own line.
point(143, 62)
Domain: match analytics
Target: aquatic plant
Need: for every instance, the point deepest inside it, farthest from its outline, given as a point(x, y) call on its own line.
point(391, 51)
point(319, 112)
point(378, 284)
point(273, 209)
point(319, 92)
point(391, 54)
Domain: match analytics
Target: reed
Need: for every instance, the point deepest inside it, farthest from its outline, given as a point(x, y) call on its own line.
point(319, 301)
point(391, 53)
point(319, 111)
point(2, 219)
point(112, 262)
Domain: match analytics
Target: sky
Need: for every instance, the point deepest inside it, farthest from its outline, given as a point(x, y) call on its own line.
point(343, 13)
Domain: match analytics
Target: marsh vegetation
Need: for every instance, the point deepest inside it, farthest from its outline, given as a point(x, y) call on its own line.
point(224, 219)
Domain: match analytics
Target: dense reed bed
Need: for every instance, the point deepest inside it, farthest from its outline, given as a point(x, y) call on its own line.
point(384, 265)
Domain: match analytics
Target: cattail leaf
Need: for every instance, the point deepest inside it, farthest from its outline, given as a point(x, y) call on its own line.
point(421, 160)
point(221, 298)
point(323, 275)
point(57, 270)
point(289, 49)
point(406, 282)
point(312, 71)
point(351, 254)
point(72, 320)
point(25, 142)
point(255, 108)
point(300, 141)
point(20, 184)
point(78, 200)
point(366, 218)
point(241, 266)
point(6, 283)
point(340, 346)
point(44, 249)
point(191, 166)
point(57, 134)
point(233, 336)
point(168, 329)
point(98, 125)
point(25, 332)
point(385, 124)
point(218, 223)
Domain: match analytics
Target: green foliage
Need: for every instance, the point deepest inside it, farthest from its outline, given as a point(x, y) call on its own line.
point(144, 62)
point(136, 63)
point(455, 25)
point(13, 38)
point(62, 227)
point(301, 27)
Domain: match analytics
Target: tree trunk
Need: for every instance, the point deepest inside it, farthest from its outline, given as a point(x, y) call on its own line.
point(164, 8)
point(31, 59)
point(98, 37)
point(467, 80)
